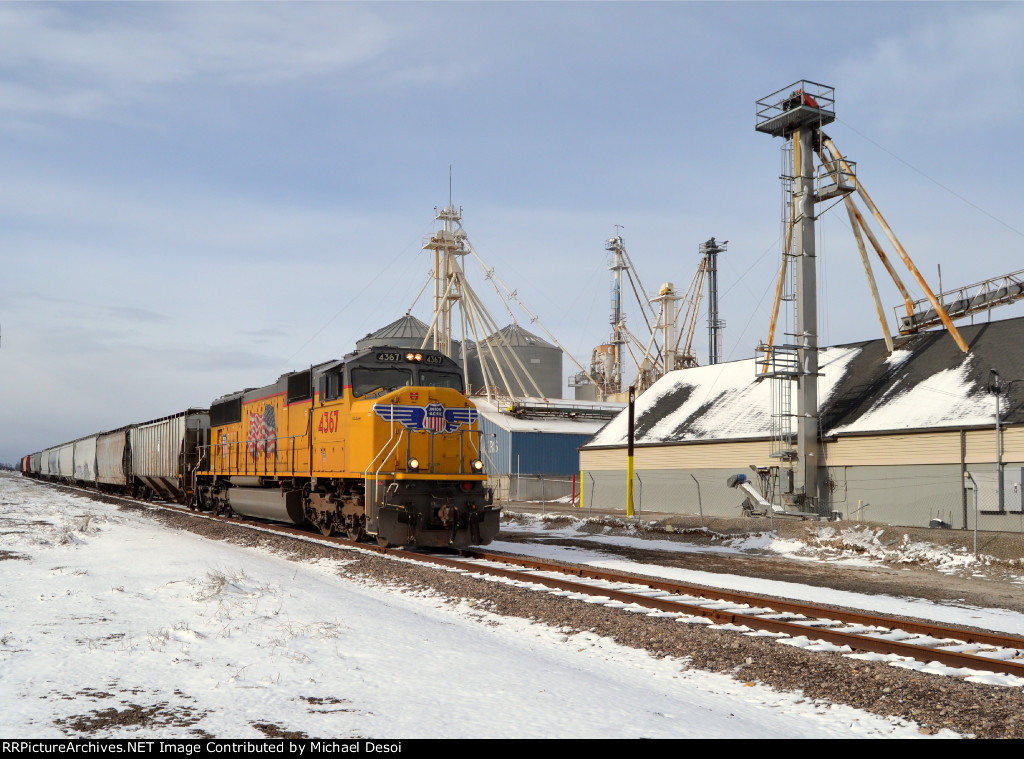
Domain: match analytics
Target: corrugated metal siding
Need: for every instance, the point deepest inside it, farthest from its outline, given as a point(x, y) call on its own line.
point(546, 453)
point(1013, 443)
point(981, 445)
point(862, 450)
point(695, 456)
point(110, 461)
point(497, 444)
point(66, 461)
point(85, 459)
point(892, 450)
point(529, 452)
point(156, 447)
point(601, 461)
point(703, 456)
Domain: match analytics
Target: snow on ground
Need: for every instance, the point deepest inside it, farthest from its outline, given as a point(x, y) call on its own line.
point(953, 612)
point(103, 610)
point(860, 546)
point(854, 546)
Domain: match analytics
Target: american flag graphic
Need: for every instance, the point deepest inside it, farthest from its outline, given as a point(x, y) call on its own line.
point(270, 430)
point(262, 432)
point(256, 433)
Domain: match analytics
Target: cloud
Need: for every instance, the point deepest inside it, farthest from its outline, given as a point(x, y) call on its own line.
point(953, 66)
point(81, 60)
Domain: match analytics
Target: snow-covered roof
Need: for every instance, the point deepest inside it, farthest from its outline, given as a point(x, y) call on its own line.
point(926, 383)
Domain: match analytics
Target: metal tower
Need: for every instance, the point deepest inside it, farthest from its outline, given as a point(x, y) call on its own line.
point(617, 265)
point(710, 251)
point(666, 324)
point(447, 244)
point(797, 113)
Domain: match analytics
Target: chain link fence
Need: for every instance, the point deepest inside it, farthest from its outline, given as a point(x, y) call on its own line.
point(534, 488)
point(941, 496)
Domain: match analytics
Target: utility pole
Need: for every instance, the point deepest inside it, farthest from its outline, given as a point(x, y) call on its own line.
point(629, 452)
point(997, 390)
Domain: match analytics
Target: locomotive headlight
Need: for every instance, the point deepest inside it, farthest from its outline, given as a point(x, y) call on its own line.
point(478, 465)
point(414, 464)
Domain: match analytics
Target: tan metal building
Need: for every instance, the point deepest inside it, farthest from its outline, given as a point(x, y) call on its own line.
point(908, 438)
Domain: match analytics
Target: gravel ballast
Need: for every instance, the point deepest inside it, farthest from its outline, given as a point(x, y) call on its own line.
point(933, 701)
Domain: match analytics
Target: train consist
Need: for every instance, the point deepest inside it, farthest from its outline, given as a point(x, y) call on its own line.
point(381, 444)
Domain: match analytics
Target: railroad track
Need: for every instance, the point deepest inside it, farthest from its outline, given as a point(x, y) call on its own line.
point(955, 647)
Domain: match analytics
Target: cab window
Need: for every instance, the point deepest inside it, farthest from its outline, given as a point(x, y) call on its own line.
point(330, 387)
point(373, 383)
point(429, 378)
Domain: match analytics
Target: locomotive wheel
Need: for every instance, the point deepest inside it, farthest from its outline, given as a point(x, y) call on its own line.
point(327, 527)
point(355, 534)
point(383, 542)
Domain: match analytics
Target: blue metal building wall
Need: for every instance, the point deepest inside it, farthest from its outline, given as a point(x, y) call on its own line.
point(496, 442)
point(530, 452)
point(546, 452)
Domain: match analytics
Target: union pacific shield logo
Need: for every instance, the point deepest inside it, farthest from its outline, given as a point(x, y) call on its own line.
point(433, 417)
point(434, 420)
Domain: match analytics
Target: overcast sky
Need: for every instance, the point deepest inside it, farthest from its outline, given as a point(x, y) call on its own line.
point(197, 197)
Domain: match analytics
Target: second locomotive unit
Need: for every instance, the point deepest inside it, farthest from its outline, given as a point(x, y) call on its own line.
point(382, 444)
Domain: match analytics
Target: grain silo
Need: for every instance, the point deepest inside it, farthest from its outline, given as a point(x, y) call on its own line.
point(406, 332)
point(541, 359)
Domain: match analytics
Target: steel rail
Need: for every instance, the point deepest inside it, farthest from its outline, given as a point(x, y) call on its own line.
point(812, 614)
point(856, 641)
point(793, 607)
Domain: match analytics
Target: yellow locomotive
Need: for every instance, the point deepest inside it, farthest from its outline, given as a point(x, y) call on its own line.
point(382, 443)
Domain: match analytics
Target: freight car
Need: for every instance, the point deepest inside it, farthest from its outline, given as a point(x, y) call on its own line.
point(382, 444)
point(158, 457)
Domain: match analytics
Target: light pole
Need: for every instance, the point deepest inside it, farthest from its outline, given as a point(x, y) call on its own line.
point(629, 452)
point(997, 389)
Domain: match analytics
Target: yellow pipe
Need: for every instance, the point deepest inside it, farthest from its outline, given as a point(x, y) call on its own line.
point(780, 283)
point(778, 290)
point(907, 300)
point(871, 276)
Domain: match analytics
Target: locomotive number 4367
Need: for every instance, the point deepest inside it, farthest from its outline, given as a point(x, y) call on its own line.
point(329, 422)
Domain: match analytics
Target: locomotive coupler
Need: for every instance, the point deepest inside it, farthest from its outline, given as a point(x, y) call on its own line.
point(449, 515)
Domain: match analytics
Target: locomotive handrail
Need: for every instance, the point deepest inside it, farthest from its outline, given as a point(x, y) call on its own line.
point(236, 445)
point(376, 474)
point(483, 453)
point(476, 447)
